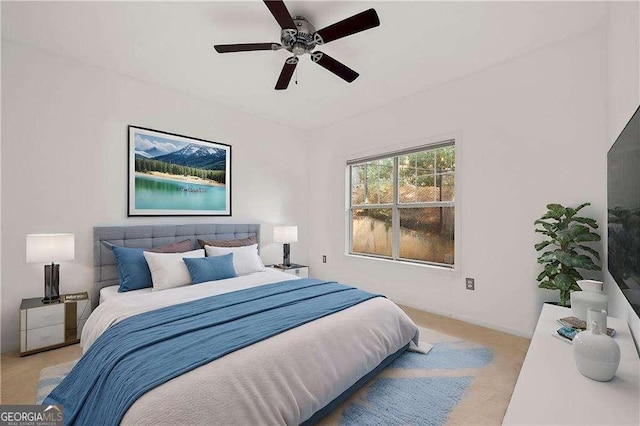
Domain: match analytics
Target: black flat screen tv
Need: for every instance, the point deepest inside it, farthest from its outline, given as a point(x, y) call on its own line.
point(623, 199)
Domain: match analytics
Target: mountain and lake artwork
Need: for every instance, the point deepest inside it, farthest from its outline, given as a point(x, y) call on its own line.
point(173, 175)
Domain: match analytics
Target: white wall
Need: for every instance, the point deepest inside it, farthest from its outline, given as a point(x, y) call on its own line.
point(64, 164)
point(623, 42)
point(530, 131)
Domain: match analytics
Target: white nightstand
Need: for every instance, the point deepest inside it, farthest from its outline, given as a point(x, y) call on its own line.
point(49, 326)
point(301, 271)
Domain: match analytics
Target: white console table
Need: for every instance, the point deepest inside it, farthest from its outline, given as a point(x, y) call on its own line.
point(550, 390)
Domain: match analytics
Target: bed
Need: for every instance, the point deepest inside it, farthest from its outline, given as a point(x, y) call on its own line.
point(316, 348)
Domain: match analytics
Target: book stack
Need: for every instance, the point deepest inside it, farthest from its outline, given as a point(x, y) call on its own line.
point(73, 297)
point(572, 326)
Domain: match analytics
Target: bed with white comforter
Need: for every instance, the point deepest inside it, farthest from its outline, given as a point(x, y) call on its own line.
point(284, 379)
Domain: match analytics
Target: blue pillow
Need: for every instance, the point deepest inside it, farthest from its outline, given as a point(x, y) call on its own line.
point(133, 270)
point(212, 268)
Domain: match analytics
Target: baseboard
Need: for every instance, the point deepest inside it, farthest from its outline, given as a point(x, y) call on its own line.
point(470, 320)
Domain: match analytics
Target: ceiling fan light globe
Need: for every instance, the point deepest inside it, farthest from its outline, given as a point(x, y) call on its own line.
point(298, 49)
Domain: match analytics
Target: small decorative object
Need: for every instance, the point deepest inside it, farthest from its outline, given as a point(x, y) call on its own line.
point(591, 297)
point(567, 333)
point(566, 235)
point(45, 248)
point(597, 355)
point(173, 175)
point(286, 235)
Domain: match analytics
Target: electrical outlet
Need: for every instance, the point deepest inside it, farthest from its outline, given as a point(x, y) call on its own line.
point(471, 283)
point(324, 258)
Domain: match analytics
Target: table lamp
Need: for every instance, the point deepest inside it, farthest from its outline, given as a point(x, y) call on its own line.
point(286, 235)
point(45, 248)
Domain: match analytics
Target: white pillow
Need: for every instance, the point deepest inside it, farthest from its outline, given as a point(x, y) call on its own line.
point(168, 270)
point(245, 259)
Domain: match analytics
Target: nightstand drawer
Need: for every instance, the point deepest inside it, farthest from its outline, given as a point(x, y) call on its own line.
point(45, 336)
point(45, 316)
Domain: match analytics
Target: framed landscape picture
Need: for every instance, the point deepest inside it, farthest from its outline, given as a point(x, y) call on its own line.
point(174, 175)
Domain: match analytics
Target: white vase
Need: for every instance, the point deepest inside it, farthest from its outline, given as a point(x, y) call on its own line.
point(591, 297)
point(600, 317)
point(597, 355)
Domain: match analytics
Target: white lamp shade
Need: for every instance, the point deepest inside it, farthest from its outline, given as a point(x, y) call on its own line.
point(285, 234)
point(45, 248)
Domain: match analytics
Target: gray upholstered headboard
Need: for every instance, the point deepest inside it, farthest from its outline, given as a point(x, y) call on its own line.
point(147, 236)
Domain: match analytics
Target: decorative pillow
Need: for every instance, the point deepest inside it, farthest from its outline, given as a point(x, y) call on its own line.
point(245, 259)
point(168, 270)
point(179, 247)
point(212, 268)
point(228, 243)
point(133, 271)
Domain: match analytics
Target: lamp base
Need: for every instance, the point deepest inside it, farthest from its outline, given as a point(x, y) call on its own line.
point(286, 261)
point(51, 283)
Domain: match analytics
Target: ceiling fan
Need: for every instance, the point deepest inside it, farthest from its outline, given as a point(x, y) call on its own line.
point(299, 37)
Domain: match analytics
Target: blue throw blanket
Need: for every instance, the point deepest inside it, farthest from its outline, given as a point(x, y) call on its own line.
point(144, 351)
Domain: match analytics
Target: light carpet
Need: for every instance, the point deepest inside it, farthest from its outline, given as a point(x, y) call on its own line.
point(415, 389)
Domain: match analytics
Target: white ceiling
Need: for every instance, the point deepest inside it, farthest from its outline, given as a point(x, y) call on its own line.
point(418, 45)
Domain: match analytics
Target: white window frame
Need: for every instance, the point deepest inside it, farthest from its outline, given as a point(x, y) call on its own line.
point(396, 205)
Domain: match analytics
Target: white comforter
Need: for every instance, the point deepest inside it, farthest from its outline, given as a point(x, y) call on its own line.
point(281, 380)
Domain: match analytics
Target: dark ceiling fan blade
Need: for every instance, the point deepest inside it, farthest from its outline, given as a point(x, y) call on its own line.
point(360, 22)
point(280, 12)
point(286, 73)
point(246, 47)
point(338, 68)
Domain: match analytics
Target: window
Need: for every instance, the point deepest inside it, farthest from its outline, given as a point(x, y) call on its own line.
point(402, 205)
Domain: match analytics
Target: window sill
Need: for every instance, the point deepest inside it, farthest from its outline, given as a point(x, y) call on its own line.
point(434, 268)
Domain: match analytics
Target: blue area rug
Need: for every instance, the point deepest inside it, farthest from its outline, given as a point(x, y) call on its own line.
point(416, 388)
point(392, 401)
point(51, 377)
point(447, 356)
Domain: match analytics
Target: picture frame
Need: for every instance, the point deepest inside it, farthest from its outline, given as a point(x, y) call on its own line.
point(177, 175)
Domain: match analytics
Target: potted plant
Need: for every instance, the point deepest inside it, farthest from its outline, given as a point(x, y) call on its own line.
point(565, 252)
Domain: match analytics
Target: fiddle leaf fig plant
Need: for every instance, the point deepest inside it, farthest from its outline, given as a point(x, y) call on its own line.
point(564, 250)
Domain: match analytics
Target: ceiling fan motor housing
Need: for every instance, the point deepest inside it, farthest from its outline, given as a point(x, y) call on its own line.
point(301, 40)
